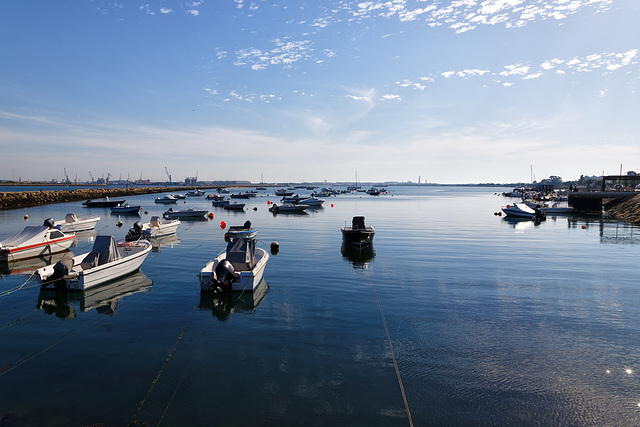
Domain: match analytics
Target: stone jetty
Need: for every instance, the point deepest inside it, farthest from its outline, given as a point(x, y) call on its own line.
point(628, 210)
point(27, 199)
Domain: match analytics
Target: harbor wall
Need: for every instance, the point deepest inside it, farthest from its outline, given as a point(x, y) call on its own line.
point(627, 210)
point(27, 199)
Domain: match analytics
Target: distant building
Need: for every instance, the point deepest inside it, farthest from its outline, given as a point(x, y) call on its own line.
point(191, 181)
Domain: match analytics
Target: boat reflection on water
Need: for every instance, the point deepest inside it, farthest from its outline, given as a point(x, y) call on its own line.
point(521, 224)
point(223, 305)
point(29, 265)
point(168, 241)
point(88, 236)
point(360, 257)
point(104, 298)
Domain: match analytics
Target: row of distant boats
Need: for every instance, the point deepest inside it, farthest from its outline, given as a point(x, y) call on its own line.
point(238, 268)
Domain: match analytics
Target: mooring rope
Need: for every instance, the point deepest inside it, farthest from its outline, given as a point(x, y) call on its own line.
point(393, 356)
point(164, 366)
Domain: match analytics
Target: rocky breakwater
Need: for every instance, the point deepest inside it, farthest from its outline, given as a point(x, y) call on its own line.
point(27, 199)
point(628, 210)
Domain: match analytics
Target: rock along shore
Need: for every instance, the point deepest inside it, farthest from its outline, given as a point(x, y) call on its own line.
point(27, 199)
point(628, 210)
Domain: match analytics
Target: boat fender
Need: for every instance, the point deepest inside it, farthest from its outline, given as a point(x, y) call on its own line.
point(275, 248)
point(49, 222)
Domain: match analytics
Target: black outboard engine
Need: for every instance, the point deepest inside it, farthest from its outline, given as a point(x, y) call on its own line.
point(225, 276)
point(135, 231)
point(540, 215)
point(49, 222)
point(61, 269)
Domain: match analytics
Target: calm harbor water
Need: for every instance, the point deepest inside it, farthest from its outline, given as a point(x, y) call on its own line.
point(489, 322)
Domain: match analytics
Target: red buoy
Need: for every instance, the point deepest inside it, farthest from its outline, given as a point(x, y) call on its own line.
point(223, 225)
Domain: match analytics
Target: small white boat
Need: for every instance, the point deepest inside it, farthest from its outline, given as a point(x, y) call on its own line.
point(287, 207)
point(218, 200)
point(240, 267)
point(187, 213)
point(195, 193)
point(310, 201)
point(358, 234)
point(522, 210)
point(106, 261)
point(71, 223)
point(154, 228)
point(321, 194)
point(283, 192)
point(166, 200)
point(126, 209)
point(555, 209)
point(35, 241)
point(180, 196)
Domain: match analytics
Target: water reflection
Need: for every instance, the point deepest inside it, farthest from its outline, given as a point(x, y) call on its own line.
point(611, 232)
point(360, 257)
point(521, 224)
point(85, 236)
point(103, 298)
point(28, 266)
point(157, 243)
point(223, 305)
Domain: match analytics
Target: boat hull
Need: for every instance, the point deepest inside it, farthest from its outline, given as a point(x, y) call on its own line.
point(36, 250)
point(132, 257)
point(103, 203)
point(164, 230)
point(358, 238)
point(81, 224)
point(248, 280)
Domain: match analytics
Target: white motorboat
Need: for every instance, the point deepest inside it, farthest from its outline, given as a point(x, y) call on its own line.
point(240, 267)
point(310, 201)
point(106, 261)
point(103, 203)
point(522, 210)
point(322, 194)
point(35, 241)
point(187, 213)
point(195, 193)
point(126, 209)
point(166, 200)
point(556, 209)
point(358, 234)
point(287, 207)
point(218, 200)
point(154, 228)
point(180, 196)
point(71, 223)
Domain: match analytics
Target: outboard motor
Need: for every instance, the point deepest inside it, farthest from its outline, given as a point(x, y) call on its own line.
point(135, 231)
point(540, 215)
point(61, 269)
point(49, 222)
point(225, 276)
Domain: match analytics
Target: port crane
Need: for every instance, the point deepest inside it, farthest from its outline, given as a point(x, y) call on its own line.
point(92, 180)
point(167, 171)
point(66, 177)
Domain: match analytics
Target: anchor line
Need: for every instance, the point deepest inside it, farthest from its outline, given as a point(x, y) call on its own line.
point(164, 366)
point(393, 356)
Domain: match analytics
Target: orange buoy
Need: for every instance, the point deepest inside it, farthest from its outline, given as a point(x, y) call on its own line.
point(210, 215)
point(26, 217)
point(508, 206)
point(223, 225)
point(584, 227)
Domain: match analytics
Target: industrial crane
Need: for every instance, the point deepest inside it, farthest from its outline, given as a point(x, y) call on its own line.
point(66, 177)
point(92, 180)
point(167, 171)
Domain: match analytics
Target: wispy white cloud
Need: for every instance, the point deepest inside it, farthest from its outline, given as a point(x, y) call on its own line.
point(388, 96)
point(284, 53)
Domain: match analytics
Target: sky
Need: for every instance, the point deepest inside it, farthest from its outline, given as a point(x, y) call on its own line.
point(452, 92)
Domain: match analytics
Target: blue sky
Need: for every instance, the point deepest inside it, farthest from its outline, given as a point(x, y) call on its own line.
point(463, 91)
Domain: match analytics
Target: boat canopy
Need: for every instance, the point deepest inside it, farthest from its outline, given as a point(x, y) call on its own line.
point(30, 233)
point(70, 217)
point(357, 223)
point(104, 251)
point(155, 221)
point(241, 247)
